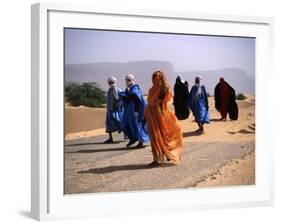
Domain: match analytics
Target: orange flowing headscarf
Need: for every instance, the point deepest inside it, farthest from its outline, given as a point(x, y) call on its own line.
point(163, 126)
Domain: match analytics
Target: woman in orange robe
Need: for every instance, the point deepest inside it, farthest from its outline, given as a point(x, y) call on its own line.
point(163, 126)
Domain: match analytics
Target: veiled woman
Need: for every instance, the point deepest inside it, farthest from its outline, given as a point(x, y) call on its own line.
point(181, 94)
point(225, 100)
point(163, 126)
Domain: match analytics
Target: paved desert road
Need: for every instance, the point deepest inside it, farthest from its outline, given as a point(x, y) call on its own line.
point(91, 166)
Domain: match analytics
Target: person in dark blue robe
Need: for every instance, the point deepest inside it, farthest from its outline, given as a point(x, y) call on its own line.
point(133, 122)
point(114, 109)
point(198, 103)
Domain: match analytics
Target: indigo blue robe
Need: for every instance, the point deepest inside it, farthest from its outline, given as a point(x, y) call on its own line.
point(199, 105)
point(133, 122)
point(114, 111)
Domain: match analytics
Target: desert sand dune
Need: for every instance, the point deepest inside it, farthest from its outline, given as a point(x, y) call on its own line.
point(83, 119)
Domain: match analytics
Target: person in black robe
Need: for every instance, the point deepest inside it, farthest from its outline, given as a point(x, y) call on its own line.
point(181, 94)
point(225, 100)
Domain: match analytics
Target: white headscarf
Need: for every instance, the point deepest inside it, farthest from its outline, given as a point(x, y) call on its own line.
point(179, 77)
point(199, 89)
point(112, 79)
point(199, 77)
point(131, 77)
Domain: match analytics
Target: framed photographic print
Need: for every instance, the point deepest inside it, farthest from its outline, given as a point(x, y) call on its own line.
point(137, 111)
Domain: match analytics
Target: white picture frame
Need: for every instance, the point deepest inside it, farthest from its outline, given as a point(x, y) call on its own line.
point(48, 201)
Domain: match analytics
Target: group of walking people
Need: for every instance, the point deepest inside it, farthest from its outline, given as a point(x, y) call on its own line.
point(152, 120)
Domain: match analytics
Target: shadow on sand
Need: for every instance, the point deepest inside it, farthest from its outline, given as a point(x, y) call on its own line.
point(111, 169)
point(242, 131)
point(192, 133)
point(215, 119)
point(252, 128)
point(94, 143)
point(106, 150)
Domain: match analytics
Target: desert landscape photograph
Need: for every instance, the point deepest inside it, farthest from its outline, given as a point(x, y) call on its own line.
point(154, 111)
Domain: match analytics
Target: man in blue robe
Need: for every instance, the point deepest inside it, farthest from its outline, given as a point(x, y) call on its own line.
point(198, 103)
point(133, 122)
point(114, 109)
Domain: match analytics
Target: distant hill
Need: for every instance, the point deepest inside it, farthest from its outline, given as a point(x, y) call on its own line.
point(99, 72)
point(237, 78)
point(142, 70)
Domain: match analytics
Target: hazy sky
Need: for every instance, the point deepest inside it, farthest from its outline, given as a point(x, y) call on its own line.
point(185, 52)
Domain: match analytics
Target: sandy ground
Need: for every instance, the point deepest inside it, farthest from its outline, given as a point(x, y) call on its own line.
point(235, 172)
point(81, 121)
point(224, 155)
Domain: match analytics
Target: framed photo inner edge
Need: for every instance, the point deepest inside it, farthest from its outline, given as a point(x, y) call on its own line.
point(48, 200)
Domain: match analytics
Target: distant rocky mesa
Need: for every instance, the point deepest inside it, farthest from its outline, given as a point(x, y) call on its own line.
point(142, 70)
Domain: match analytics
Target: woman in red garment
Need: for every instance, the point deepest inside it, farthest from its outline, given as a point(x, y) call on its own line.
point(225, 100)
point(224, 94)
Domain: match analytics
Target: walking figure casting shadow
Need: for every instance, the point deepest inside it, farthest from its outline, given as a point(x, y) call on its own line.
point(111, 169)
point(225, 100)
